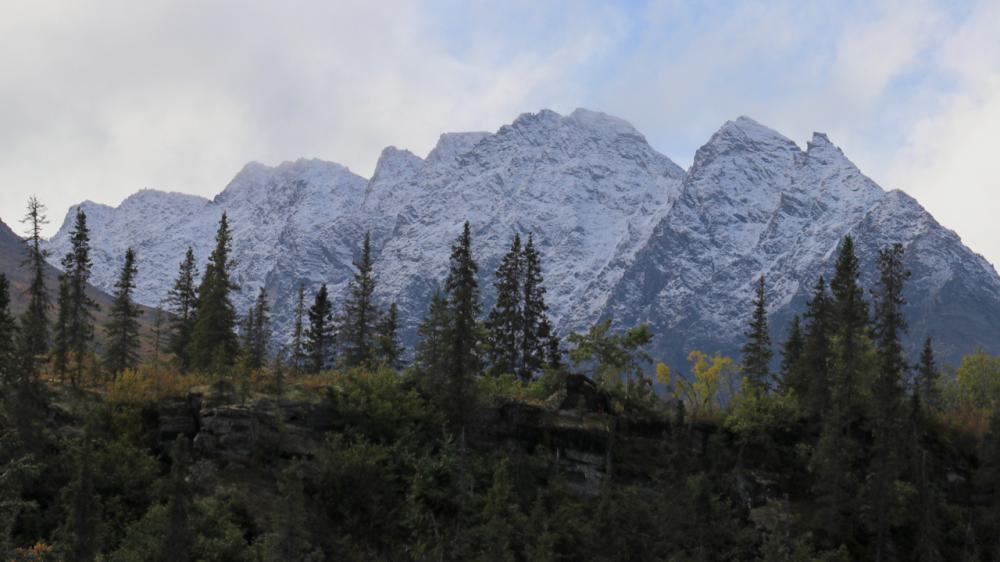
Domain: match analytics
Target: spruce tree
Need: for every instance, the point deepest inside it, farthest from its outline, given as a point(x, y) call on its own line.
point(464, 308)
point(539, 347)
point(74, 328)
point(791, 356)
point(123, 321)
point(506, 321)
point(813, 388)
point(33, 336)
point(81, 531)
point(297, 358)
point(850, 323)
point(182, 301)
point(757, 350)
point(358, 322)
point(319, 336)
point(927, 377)
point(214, 345)
point(60, 329)
point(432, 349)
point(887, 394)
point(257, 332)
point(8, 332)
point(387, 347)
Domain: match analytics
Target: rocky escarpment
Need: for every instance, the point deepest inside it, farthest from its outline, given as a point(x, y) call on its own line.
point(583, 442)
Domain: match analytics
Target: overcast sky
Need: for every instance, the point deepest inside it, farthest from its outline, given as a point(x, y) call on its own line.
point(100, 99)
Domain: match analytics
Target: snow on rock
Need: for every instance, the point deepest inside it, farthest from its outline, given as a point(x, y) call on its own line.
point(623, 231)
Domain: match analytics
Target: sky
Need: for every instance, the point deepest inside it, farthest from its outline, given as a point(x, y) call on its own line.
point(99, 100)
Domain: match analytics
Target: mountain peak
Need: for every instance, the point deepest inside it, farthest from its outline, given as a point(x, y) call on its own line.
point(596, 120)
point(452, 145)
point(744, 129)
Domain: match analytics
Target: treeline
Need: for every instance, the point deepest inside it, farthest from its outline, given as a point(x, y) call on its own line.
point(848, 451)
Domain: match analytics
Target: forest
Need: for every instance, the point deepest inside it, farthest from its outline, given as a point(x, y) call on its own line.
point(493, 439)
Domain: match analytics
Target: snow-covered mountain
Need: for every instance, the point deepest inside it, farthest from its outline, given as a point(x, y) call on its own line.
point(623, 231)
point(754, 203)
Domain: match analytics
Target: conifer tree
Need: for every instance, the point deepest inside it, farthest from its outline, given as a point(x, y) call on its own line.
point(319, 336)
point(358, 322)
point(927, 377)
point(506, 321)
point(8, 331)
point(182, 301)
point(123, 323)
point(81, 531)
point(464, 308)
point(539, 344)
point(33, 335)
point(850, 322)
point(387, 347)
point(257, 332)
point(289, 539)
point(987, 487)
point(757, 350)
point(813, 388)
point(297, 358)
point(74, 328)
point(791, 356)
point(432, 349)
point(887, 394)
point(214, 344)
point(60, 329)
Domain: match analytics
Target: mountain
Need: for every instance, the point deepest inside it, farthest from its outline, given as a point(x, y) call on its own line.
point(13, 254)
point(588, 185)
point(754, 203)
point(623, 231)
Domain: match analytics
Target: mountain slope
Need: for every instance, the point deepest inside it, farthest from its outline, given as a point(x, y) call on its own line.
point(623, 231)
point(13, 255)
point(755, 204)
point(588, 185)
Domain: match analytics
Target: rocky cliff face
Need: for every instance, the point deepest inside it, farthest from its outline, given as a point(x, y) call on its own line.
point(755, 204)
point(622, 230)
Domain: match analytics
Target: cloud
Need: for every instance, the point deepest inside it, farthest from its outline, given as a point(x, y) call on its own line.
point(948, 160)
point(180, 94)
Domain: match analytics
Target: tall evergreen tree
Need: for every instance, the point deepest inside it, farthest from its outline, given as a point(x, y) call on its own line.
point(81, 531)
point(319, 336)
point(464, 308)
point(506, 321)
point(887, 395)
point(74, 331)
point(387, 347)
point(182, 301)
point(432, 349)
point(850, 323)
point(358, 321)
point(123, 322)
point(297, 357)
point(257, 332)
point(539, 346)
point(757, 352)
point(791, 356)
point(813, 387)
point(8, 332)
point(927, 377)
point(214, 345)
point(60, 329)
point(33, 336)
